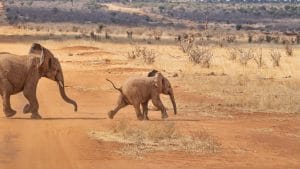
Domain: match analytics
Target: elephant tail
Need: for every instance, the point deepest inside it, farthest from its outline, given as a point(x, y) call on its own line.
point(119, 89)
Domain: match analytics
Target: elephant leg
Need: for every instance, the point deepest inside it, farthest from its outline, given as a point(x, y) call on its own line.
point(7, 89)
point(120, 105)
point(145, 110)
point(27, 109)
point(138, 112)
point(33, 105)
point(157, 102)
point(9, 112)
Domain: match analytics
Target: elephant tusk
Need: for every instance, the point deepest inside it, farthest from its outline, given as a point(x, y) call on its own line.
point(60, 83)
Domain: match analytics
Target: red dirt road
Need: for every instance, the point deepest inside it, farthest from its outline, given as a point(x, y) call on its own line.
point(60, 139)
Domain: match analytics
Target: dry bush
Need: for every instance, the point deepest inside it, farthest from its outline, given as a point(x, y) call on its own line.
point(260, 39)
point(150, 137)
point(185, 45)
point(157, 34)
point(275, 57)
point(258, 58)
point(232, 53)
point(245, 55)
point(201, 55)
point(75, 29)
point(147, 55)
point(230, 38)
point(289, 50)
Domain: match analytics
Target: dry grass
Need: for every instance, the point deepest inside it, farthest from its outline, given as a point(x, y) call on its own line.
point(267, 95)
point(151, 137)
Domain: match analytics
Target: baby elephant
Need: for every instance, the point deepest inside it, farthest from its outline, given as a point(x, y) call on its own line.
point(139, 90)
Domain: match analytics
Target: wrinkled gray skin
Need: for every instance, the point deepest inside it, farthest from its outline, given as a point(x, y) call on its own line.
point(139, 90)
point(22, 73)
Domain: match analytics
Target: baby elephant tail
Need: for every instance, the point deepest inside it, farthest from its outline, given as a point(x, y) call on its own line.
point(119, 89)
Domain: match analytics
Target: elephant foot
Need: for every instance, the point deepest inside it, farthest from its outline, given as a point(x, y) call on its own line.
point(164, 116)
point(146, 118)
point(9, 113)
point(140, 117)
point(110, 114)
point(36, 116)
point(26, 108)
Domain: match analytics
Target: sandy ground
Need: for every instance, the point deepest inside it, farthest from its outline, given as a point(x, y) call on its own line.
point(60, 140)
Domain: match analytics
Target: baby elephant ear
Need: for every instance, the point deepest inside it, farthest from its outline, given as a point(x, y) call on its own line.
point(152, 73)
point(158, 80)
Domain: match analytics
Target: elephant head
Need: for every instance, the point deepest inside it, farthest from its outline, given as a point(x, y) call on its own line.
point(50, 67)
point(164, 86)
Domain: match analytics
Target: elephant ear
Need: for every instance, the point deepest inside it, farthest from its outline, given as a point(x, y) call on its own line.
point(158, 81)
point(45, 55)
point(152, 73)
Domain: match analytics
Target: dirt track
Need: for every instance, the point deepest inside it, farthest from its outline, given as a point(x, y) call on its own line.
point(60, 139)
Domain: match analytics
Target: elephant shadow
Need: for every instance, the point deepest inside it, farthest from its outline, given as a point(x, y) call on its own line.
point(60, 118)
point(182, 120)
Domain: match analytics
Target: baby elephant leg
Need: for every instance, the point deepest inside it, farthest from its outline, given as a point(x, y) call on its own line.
point(145, 111)
point(157, 102)
point(121, 103)
point(138, 112)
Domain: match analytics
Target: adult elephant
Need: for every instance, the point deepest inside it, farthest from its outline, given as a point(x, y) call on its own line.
point(22, 73)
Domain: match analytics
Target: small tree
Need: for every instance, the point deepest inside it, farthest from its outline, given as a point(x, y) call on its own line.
point(298, 39)
point(268, 38)
point(100, 28)
point(129, 34)
point(107, 36)
point(238, 27)
point(250, 38)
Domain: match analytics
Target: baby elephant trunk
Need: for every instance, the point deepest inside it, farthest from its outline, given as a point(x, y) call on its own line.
point(172, 98)
point(64, 96)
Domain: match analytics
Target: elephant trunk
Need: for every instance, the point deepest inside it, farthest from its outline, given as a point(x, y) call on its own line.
point(172, 98)
point(64, 96)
